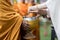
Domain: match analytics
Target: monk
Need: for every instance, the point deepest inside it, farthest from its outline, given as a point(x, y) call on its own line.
point(23, 9)
point(10, 21)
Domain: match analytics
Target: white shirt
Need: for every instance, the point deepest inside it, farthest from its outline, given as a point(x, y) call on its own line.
point(54, 9)
point(42, 1)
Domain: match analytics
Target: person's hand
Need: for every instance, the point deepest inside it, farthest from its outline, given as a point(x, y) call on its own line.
point(32, 9)
point(32, 12)
point(42, 12)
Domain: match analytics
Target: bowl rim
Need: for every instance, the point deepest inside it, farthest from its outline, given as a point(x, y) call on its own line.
point(31, 18)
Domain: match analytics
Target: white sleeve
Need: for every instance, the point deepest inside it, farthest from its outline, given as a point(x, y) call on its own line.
point(39, 6)
point(45, 4)
point(32, 8)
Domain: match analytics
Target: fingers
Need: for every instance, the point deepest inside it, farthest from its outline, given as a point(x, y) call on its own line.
point(35, 11)
point(32, 8)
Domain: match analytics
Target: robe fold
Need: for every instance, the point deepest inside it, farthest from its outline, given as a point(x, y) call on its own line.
point(10, 21)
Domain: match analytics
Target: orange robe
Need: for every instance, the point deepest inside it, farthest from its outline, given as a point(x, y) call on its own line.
point(10, 21)
point(22, 8)
point(15, 7)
